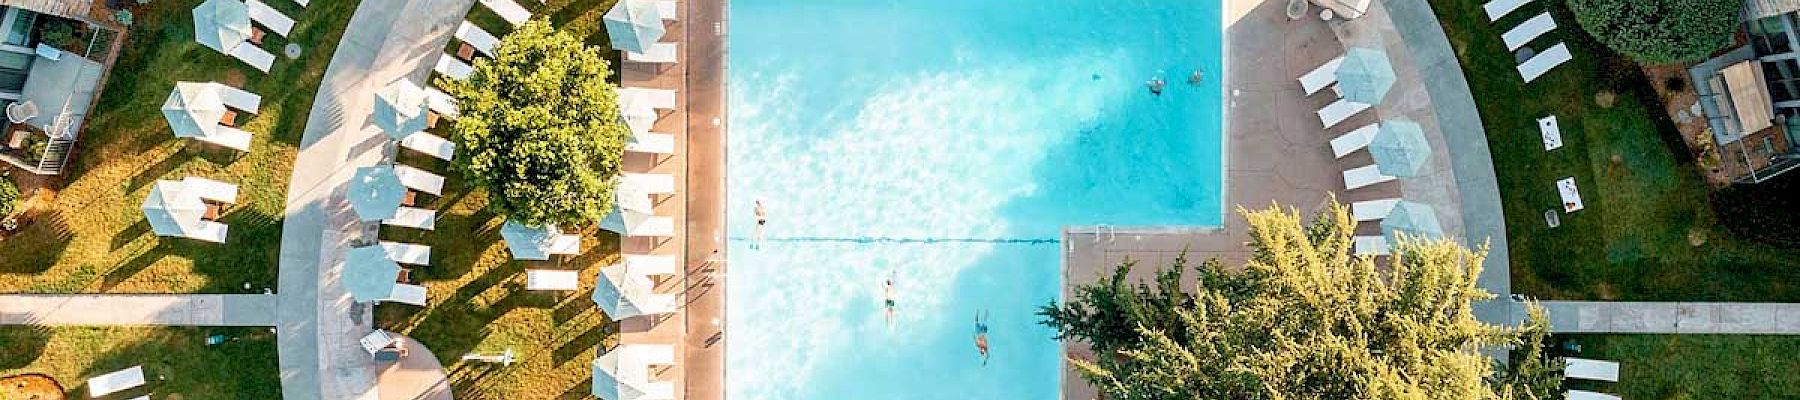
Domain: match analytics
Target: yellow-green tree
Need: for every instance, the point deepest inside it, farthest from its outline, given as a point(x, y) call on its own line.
point(540, 128)
point(1302, 319)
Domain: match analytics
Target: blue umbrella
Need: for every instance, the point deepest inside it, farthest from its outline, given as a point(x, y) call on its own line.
point(369, 274)
point(400, 109)
point(1417, 220)
point(1400, 148)
point(376, 193)
point(1365, 75)
point(634, 25)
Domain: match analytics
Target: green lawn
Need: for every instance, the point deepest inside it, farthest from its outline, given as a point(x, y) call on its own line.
point(478, 302)
point(1648, 231)
point(1658, 367)
point(93, 238)
point(177, 362)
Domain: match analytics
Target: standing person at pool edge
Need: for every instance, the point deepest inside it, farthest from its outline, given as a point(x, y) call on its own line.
point(981, 330)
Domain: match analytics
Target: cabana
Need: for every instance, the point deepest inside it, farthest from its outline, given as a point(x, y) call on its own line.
point(224, 25)
point(181, 209)
point(207, 111)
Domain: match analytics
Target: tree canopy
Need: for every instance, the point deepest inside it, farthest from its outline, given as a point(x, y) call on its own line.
point(1302, 319)
point(540, 129)
point(1660, 31)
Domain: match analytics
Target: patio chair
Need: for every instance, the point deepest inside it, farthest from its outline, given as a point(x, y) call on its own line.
point(255, 56)
point(20, 111)
point(649, 264)
point(239, 98)
point(431, 145)
point(448, 65)
point(1518, 36)
point(233, 138)
point(1552, 134)
point(548, 279)
point(650, 183)
point(1586, 395)
point(269, 17)
point(407, 253)
point(1354, 140)
point(210, 231)
point(652, 143)
point(1371, 245)
point(1321, 77)
point(1360, 177)
point(408, 293)
point(441, 102)
point(510, 11)
point(1339, 111)
point(420, 180)
point(1499, 8)
point(663, 99)
point(565, 245)
point(1373, 209)
point(660, 53)
point(114, 382)
point(1542, 62)
point(377, 340)
point(409, 217)
point(1593, 370)
point(668, 10)
point(656, 226)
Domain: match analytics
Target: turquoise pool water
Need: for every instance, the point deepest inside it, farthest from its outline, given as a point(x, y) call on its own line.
point(946, 143)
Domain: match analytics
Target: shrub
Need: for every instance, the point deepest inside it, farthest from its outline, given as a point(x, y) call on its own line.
point(9, 197)
point(1660, 31)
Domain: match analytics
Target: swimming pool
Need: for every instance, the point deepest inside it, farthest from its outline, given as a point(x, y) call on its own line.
point(946, 143)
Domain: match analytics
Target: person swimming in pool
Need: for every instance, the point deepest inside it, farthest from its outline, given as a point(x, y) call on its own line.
point(1196, 78)
point(888, 289)
point(1156, 86)
point(981, 330)
point(762, 220)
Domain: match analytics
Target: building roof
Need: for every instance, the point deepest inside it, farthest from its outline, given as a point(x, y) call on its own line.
point(86, 10)
point(1757, 9)
point(1749, 96)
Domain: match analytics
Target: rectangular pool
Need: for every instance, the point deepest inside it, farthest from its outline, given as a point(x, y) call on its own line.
point(945, 144)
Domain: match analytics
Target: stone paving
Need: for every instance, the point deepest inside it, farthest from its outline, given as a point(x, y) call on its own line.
point(1671, 317)
point(704, 359)
point(138, 309)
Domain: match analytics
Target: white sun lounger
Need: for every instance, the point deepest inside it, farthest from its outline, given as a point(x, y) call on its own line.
point(509, 11)
point(420, 180)
point(1593, 370)
point(269, 17)
point(211, 190)
point(1359, 177)
point(452, 67)
point(550, 279)
point(407, 253)
point(1321, 77)
point(1371, 245)
point(660, 53)
point(239, 99)
point(1373, 209)
point(481, 40)
point(210, 231)
point(656, 226)
point(255, 56)
point(234, 138)
point(1499, 8)
point(431, 145)
point(114, 382)
point(649, 264)
point(1552, 134)
point(1543, 62)
point(1586, 395)
point(657, 98)
point(377, 340)
point(1518, 36)
point(652, 143)
point(409, 294)
point(441, 102)
point(565, 245)
point(651, 183)
point(668, 10)
point(1338, 111)
point(1571, 195)
point(409, 217)
point(1354, 140)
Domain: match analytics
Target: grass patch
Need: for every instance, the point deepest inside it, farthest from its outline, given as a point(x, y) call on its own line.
point(1696, 366)
point(93, 237)
point(177, 362)
point(1648, 231)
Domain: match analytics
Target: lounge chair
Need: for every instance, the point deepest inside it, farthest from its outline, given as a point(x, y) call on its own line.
point(1593, 370)
point(660, 53)
point(239, 98)
point(1586, 395)
point(408, 293)
point(211, 190)
point(1542, 62)
point(1321, 77)
point(269, 17)
point(649, 264)
point(1371, 245)
point(1551, 132)
point(1338, 111)
point(565, 244)
point(1499, 8)
point(233, 138)
point(448, 65)
point(510, 11)
point(114, 382)
point(668, 10)
point(652, 143)
point(377, 340)
point(657, 98)
point(1360, 177)
point(1373, 209)
point(441, 102)
point(1518, 36)
point(481, 40)
point(210, 231)
point(550, 279)
point(407, 253)
point(420, 180)
point(651, 183)
point(1355, 140)
point(431, 145)
point(255, 56)
point(656, 226)
point(409, 217)
point(1571, 195)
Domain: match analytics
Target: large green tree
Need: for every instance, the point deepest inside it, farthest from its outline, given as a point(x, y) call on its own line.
point(1660, 31)
point(540, 128)
point(1302, 319)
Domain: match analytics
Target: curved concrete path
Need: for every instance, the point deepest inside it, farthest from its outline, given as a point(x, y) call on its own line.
point(418, 376)
point(319, 324)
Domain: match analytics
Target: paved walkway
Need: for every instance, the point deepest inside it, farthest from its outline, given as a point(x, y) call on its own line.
point(704, 360)
point(1671, 317)
point(135, 309)
point(319, 323)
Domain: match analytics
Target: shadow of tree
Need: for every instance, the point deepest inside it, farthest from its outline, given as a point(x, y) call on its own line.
point(37, 246)
point(23, 345)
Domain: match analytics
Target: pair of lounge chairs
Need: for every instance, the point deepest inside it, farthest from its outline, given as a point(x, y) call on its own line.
point(645, 140)
point(1524, 33)
point(1593, 370)
point(1322, 77)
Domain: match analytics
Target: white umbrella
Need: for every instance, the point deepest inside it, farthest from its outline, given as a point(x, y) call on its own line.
point(624, 373)
point(627, 195)
point(400, 109)
point(633, 25)
point(194, 109)
point(172, 209)
point(622, 293)
point(222, 24)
